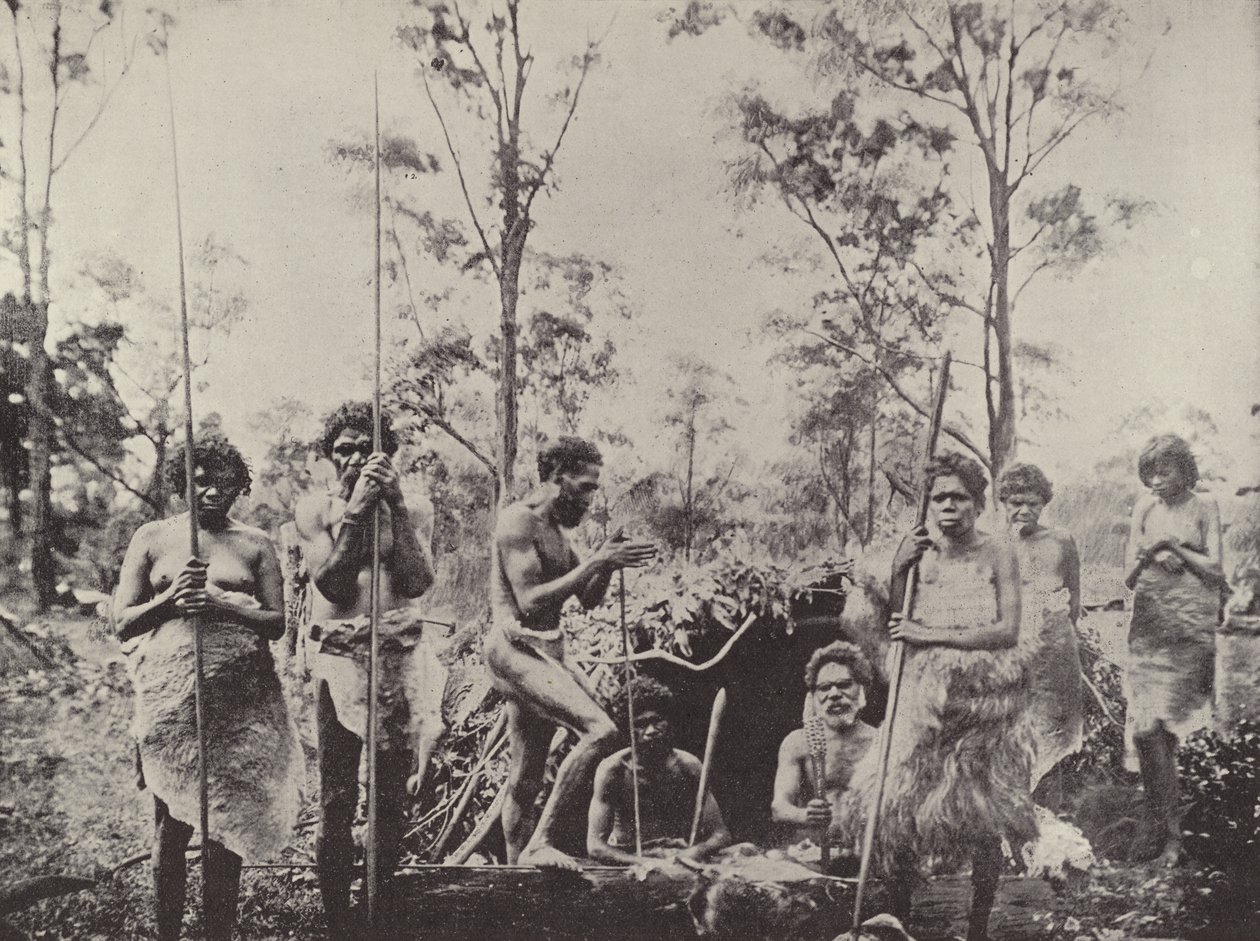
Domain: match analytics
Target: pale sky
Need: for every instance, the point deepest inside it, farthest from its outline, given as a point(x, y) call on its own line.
point(261, 88)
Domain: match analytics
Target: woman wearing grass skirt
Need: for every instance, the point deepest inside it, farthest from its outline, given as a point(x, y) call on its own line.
point(957, 784)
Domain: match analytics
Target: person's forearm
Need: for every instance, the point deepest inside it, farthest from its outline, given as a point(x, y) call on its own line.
point(554, 593)
point(786, 812)
point(138, 619)
point(995, 636)
point(410, 567)
point(338, 578)
point(1200, 563)
point(269, 624)
point(596, 586)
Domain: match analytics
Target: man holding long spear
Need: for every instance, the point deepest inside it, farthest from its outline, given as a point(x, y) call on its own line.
point(336, 533)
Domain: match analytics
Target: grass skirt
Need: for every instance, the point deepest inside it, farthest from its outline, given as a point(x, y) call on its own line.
point(959, 765)
point(254, 765)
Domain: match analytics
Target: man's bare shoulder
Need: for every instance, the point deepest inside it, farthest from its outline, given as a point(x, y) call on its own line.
point(515, 521)
point(311, 513)
point(794, 745)
point(613, 765)
point(686, 761)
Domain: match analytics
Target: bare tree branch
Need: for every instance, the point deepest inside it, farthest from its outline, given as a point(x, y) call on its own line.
point(78, 449)
point(128, 59)
point(549, 157)
point(949, 429)
point(459, 170)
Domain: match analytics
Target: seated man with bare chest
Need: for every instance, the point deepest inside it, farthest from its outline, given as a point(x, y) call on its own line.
point(533, 572)
point(836, 677)
point(336, 530)
point(668, 780)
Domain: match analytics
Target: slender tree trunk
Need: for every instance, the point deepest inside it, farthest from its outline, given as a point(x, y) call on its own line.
point(40, 433)
point(158, 490)
point(1002, 429)
point(846, 493)
point(689, 498)
point(507, 404)
point(870, 478)
point(13, 461)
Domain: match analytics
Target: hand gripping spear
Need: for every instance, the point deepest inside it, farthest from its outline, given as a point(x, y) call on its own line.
point(898, 659)
point(190, 494)
point(373, 874)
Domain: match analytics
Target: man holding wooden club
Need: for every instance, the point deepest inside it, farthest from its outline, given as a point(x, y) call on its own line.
point(837, 677)
point(533, 572)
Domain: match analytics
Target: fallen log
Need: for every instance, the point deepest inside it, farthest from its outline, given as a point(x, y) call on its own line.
point(616, 904)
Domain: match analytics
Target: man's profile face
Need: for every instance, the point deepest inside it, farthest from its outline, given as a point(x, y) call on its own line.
point(350, 452)
point(838, 696)
point(577, 490)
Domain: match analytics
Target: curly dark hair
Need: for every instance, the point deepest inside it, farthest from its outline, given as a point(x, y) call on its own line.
point(564, 455)
point(356, 415)
point(952, 464)
point(214, 454)
point(1024, 478)
point(1168, 449)
point(649, 695)
point(845, 655)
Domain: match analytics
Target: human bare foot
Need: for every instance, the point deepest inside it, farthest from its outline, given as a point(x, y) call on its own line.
point(548, 857)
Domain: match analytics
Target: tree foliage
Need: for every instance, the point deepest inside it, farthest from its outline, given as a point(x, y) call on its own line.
point(924, 87)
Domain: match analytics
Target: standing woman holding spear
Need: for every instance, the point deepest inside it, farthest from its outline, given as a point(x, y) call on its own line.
point(199, 597)
point(956, 749)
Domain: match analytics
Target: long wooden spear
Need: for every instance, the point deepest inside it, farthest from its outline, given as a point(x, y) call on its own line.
point(634, 747)
point(898, 658)
point(373, 873)
point(190, 494)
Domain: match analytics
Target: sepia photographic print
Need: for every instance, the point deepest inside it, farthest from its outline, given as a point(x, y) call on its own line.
point(620, 469)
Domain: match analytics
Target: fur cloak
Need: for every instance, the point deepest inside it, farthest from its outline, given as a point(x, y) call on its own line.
point(962, 748)
point(254, 764)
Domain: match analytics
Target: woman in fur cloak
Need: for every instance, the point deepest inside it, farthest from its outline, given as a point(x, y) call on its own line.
point(253, 761)
point(1175, 571)
point(1050, 574)
point(957, 783)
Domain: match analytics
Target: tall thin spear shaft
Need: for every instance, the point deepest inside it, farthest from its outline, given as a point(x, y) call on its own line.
point(898, 659)
point(373, 861)
point(190, 494)
point(634, 748)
